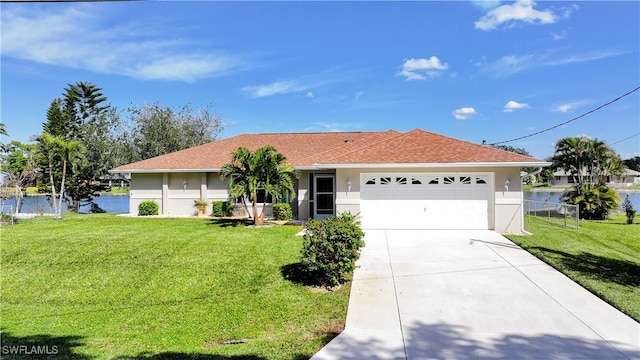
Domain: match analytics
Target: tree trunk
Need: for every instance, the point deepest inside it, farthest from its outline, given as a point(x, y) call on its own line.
point(53, 190)
point(64, 175)
point(261, 219)
point(18, 199)
point(257, 218)
point(244, 202)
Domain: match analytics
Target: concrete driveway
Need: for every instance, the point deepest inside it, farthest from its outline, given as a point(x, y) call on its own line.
point(439, 294)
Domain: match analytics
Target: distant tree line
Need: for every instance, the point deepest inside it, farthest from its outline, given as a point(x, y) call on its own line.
point(84, 137)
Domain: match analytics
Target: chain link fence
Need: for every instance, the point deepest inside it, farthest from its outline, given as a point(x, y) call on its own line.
point(7, 215)
point(561, 214)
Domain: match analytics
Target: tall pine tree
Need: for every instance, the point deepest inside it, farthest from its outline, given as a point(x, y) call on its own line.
point(81, 115)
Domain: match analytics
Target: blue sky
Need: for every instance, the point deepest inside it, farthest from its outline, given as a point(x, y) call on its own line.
point(471, 70)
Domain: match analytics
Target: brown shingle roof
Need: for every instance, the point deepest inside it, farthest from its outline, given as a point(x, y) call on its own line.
point(419, 146)
point(308, 149)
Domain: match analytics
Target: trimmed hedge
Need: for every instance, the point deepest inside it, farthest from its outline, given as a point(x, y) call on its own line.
point(282, 211)
point(148, 207)
point(331, 248)
point(221, 208)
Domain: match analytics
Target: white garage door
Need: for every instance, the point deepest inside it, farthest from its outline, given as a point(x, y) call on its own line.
point(425, 201)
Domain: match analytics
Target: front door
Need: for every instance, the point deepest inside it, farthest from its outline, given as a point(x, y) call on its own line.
point(324, 197)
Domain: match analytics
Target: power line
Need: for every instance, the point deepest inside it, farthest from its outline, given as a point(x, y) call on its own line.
point(625, 139)
point(570, 120)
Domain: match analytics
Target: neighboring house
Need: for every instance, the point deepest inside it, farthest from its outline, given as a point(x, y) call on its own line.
point(630, 177)
point(412, 180)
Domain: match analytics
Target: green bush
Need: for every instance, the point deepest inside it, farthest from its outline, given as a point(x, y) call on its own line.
point(629, 211)
point(221, 208)
point(282, 211)
point(595, 201)
point(148, 207)
point(331, 248)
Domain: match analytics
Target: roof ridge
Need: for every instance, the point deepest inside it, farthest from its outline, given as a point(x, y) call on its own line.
point(307, 133)
point(366, 146)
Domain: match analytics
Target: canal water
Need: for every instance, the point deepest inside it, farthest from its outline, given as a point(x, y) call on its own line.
point(120, 203)
point(41, 204)
point(554, 196)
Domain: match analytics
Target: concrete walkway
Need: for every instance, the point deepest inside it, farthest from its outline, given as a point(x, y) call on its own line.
point(438, 294)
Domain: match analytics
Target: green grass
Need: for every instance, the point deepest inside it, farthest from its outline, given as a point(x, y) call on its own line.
point(118, 190)
point(102, 286)
point(602, 256)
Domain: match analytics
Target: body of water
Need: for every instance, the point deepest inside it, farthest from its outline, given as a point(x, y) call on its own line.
point(120, 203)
point(40, 204)
point(554, 196)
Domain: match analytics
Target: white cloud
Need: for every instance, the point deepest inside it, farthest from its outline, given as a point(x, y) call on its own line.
point(275, 88)
point(507, 65)
point(563, 108)
point(568, 107)
point(304, 83)
point(521, 10)
point(75, 37)
point(578, 58)
point(486, 4)
point(514, 105)
point(560, 36)
point(464, 113)
point(420, 69)
point(516, 63)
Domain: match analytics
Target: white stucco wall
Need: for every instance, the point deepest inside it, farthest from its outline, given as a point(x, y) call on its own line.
point(178, 200)
point(184, 189)
point(508, 203)
point(145, 187)
point(176, 193)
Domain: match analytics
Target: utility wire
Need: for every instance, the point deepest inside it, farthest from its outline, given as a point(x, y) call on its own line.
point(570, 120)
point(625, 139)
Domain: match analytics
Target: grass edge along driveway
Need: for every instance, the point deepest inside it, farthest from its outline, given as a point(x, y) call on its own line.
point(602, 256)
point(103, 286)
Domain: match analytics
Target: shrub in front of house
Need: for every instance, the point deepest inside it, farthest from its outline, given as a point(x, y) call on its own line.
point(282, 211)
point(221, 208)
point(331, 248)
point(148, 207)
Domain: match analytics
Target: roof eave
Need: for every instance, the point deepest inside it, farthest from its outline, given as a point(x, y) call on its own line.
point(152, 171)
point(215, 170)
point(436, 165)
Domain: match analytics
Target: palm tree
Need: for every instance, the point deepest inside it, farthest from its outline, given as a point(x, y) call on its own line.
point(589, 162)
point(595, 202)
point(265, 169)
point(280, 177)
point(242, 182)
point(56, 150)
point(571, 156)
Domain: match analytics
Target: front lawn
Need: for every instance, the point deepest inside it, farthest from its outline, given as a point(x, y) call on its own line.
point(103, 286)
point(602, 256)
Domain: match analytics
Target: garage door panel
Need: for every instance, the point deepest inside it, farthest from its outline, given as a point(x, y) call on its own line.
point(426, 201)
